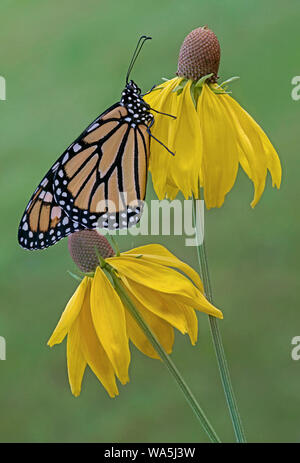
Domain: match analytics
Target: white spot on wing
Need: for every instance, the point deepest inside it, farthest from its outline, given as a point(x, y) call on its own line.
point(66, 157)
point(94, 126)
point(76, 147)
point(55, 166)
point(44, 182)
point(56, 212)
point(48, 197)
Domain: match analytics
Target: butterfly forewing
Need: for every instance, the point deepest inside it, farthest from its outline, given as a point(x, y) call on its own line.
point(101, 179)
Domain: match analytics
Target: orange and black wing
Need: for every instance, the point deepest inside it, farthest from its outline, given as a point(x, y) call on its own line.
point(101, 178)
point(44, 222)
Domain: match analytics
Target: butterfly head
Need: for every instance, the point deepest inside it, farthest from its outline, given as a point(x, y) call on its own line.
point(130, 92)
point(132, 87)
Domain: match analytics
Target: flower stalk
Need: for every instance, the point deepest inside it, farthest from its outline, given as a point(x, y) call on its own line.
point(216, 334)
point(163, 355)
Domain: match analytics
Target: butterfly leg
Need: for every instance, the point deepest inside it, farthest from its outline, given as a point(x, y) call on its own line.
point(164, 114)
point(147, 93)
point(161, 143)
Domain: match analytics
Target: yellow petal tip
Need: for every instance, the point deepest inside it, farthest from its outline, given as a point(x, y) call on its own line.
point(124, 380)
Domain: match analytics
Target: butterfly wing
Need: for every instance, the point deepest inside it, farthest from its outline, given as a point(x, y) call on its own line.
point(101, 178)
point(44, 222)
point(99, 181)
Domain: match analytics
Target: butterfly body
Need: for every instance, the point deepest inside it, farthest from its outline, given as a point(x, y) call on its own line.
point(99, 181)
point(138, 109)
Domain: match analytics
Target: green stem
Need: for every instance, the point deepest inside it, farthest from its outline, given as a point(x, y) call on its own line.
point(166, 359)
point(216, 336)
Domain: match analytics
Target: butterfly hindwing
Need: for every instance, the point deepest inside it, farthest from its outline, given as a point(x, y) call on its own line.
point(44, 222)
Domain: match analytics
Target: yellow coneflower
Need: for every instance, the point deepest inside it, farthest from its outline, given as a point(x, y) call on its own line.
point(99, 326)
point(212, 134)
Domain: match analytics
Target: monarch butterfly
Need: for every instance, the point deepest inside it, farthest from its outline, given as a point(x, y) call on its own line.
point(100, 180)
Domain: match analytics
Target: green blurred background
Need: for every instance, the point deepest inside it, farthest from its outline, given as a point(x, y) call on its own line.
point(64, 63)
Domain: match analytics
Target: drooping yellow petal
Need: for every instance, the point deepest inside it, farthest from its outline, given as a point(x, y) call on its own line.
point(185, 141)
point(191, 322)
point(154, 302)
point(93, 351)
point(161, 279)
point(163, 331)
point(257, 154)
point(182, 136)
point(249, 152)
point(75, 359)
point(70, 313)
point(110, 325)
point(160, 255)
point(166, 307)
point(160, 159)
point(220, 156)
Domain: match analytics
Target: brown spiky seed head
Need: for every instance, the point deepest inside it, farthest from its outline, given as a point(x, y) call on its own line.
point(199, 55)
point(82, 247)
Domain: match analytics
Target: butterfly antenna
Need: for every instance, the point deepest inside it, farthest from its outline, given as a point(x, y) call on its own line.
point(136, 53)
